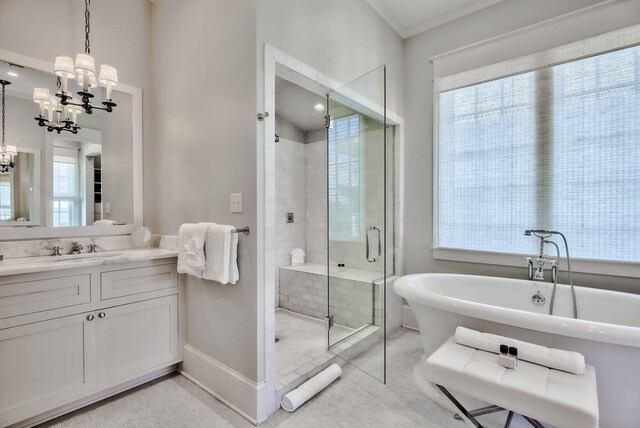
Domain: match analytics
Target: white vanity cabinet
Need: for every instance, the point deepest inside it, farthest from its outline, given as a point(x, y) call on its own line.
point(135, 337)
point(44, 365)
point(84, 333)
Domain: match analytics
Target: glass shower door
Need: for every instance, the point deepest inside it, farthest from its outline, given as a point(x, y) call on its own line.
point(357, 222)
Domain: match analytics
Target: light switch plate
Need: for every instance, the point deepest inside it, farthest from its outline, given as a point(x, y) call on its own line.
point(107, 208)
point(236, 202)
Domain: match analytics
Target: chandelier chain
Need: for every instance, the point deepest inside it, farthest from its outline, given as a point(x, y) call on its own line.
point(87, 27)
point(3, 115)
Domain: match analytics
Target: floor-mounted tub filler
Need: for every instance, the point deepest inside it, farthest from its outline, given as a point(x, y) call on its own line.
point(607, 332)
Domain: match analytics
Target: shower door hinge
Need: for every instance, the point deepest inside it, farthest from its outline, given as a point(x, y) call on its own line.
point(327, 121)
point(329, 321)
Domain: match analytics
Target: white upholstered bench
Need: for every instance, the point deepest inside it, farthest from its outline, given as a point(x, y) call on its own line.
point(536, 392)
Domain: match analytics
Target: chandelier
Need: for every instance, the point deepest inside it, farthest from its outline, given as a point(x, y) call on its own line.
point(62, 109)
point(6, 152)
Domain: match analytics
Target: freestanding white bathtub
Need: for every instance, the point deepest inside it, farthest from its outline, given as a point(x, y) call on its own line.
point(607, 331)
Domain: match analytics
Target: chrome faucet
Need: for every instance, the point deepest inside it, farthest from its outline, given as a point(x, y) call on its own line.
point(541, 261)
point(544, 236)
point(75, 248)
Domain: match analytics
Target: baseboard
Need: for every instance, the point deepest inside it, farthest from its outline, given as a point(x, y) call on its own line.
point(408, 319)
point(240, 393)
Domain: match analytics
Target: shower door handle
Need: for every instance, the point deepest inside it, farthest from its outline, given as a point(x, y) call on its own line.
point(374, 259)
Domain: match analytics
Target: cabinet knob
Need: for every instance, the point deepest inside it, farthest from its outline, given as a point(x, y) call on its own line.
point(102, 315)
point(90, 317)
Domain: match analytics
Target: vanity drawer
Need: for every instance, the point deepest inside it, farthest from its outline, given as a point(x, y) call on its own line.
point(21, 298)
point(139, 280)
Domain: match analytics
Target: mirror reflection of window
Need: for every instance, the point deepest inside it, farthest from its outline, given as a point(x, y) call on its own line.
point(6, 210)
point(66, 192)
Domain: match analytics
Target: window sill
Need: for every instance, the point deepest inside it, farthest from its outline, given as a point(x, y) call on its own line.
point(598, 267)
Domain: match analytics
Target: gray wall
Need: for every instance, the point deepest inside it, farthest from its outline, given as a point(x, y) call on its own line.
point(204, 80)
point(418, 76)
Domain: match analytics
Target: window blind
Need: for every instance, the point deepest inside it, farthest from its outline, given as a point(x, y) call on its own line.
point(344, 179)
point(556, 147)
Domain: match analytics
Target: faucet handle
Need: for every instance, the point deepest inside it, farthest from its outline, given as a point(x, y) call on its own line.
point(56, 250)
point(93, 248)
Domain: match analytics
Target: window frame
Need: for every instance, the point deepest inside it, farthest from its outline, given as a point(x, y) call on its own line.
point(77, 200)
point(584, 265)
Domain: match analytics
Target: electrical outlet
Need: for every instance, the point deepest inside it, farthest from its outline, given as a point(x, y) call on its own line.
point(236, 202)
point(289, 217)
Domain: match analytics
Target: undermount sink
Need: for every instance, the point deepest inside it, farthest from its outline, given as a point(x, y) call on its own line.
point(73, 257)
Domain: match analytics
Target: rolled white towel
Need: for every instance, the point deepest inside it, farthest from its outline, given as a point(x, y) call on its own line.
point(568, 361)
point(296, 398)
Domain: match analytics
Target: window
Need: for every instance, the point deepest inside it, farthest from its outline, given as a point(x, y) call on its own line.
point(555, 148)
point(66, 193)
point(344, 185)
point(6, 210)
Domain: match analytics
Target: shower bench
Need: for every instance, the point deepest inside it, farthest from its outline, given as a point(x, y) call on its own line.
point(555, 397)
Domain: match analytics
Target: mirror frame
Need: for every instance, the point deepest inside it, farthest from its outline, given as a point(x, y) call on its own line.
point(36, 232)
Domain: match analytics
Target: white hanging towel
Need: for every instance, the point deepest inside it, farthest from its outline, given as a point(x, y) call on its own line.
point(191, 241)
point(222, 254)
point(297, 257)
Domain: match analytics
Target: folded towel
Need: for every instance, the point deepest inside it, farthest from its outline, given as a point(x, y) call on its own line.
point(222, 253)
point(567, 361)
point(191, 242)
point(104, 222)
point(297, 257)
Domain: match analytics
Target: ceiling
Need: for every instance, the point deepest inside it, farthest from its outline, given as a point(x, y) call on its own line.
point(27, 79)
point(411, 17)
point(295, 105)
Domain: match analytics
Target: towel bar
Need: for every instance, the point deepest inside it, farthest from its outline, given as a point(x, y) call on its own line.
point(244, 230)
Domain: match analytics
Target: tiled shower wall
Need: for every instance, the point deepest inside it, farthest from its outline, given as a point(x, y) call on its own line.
point(352, 302)
point(290, 195)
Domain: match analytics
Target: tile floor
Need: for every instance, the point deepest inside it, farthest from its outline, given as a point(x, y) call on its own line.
point(355, 400)
point(301, 351)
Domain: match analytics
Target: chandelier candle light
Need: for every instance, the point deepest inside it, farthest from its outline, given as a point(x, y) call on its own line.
point(6, 152)
point(62, 109)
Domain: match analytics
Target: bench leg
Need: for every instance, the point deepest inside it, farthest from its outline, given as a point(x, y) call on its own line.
point(460, 407)
point(481, 411)
point(507, 424)
point(534, 423)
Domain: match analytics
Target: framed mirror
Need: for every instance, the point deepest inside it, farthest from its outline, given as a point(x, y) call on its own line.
point(64, 185)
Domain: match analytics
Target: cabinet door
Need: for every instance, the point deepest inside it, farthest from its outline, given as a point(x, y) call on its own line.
point(44, 365)
point(135, 338)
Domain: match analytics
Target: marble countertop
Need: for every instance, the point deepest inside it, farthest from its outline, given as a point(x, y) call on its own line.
point(52, 263)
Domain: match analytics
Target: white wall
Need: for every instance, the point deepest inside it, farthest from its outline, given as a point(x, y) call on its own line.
point(418, 75)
